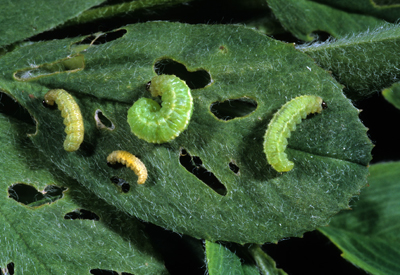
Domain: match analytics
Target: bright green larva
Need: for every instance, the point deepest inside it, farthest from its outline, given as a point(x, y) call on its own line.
point(158, 124)
point(283, 122)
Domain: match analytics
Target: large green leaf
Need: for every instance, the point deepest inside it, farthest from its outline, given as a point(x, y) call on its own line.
point(302, 17)
point(369, 235)
point(22, 19)
point(330, 150)
point(364, 63)
point(40, 240)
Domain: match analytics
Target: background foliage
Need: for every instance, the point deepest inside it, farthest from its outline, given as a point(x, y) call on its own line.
point(60, 212)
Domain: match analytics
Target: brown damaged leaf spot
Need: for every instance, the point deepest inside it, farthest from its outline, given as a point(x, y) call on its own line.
point(67, 65)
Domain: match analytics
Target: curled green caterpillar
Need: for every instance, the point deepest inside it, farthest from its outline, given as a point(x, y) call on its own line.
point(72, 117)
point(283, 122)
point(158, 124)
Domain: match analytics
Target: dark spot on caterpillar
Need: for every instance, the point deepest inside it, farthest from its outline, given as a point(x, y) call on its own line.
point(148, 86)
point(195, 166)
point(195, 80)
point(81, 214)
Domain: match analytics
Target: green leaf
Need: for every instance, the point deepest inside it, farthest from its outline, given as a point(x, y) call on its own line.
point(302, 17)
point(220, 260)
point(264, 262)
point(22, 19)
point(392, 94)
point(385, 9)
point(219, 63)
point(40, 240)
point(369, 235)
point(231, 258)
point(363, 63)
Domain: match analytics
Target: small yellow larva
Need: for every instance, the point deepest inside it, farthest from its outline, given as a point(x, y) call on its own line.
point(130, 161)
point(72, 117)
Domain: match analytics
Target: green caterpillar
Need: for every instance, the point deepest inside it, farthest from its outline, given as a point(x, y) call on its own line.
point(158, 124)
point(283, 122)
point(72, 117)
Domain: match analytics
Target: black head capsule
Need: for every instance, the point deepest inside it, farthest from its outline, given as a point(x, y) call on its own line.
point(148, 85)
point(324, 105)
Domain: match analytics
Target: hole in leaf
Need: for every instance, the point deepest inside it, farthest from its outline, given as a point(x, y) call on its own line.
point(234, 168)
point(81, 214)
point(103, 272)
point(11, 107)
point(121, 183)
point(66, 65)
point(195, 166)
point(233, 108)
point(195, 80)
point(102, 38)
point(102, 122)
point(28, 195)
point(9, 270)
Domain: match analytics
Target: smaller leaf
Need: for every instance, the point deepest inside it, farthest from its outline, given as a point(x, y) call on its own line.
point(302, 17)
point(369, 235)
point(392, 94)
point(363, 63)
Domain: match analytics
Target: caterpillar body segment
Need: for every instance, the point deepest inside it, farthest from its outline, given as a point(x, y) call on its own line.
point(159, 124)
point(130, 161)
point(282, 124)
point(72, 117)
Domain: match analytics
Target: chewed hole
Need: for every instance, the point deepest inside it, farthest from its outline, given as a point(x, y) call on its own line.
point(11, 107)
point(125, 187)
point(102, 272)
point(102, 122)
point(28, 195)
point(66, 65)
point(81, 214)
point(195, 80)
point(103, 38)
point(195, 166)
point(8, 270)
point(233, 108)
point(234, 168)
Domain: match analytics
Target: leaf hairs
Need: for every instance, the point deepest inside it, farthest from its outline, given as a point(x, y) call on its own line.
point(130, 161)
point(283, 122)
point(72, 117)
point(158, 124)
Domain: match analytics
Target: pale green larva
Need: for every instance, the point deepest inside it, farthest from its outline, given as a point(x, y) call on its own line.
point(72, 117)
point(158, 124)
point(283, 122)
